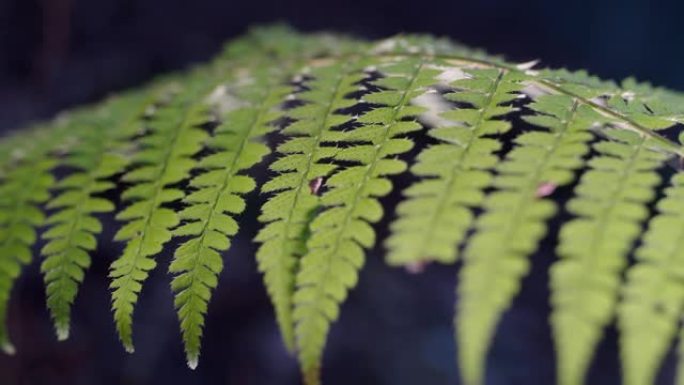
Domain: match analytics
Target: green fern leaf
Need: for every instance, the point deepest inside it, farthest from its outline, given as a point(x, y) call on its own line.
point(23, 189)
point(350, 113)
point(288, 211)
point(434, 218)
point(73, 227)
point(609, 206)
point(654, 294)
point(514, 222)
point(217, 198)
point(342, 230)
point(164, 160)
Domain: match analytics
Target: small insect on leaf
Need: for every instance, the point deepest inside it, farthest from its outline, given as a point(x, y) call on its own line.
point(315, 185)
point(545, 189)
point(438, 153)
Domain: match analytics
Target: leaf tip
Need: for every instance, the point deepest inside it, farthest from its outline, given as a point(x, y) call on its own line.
point(312, 375)
point(8, 348)
point(192, 362)
point(62, 333)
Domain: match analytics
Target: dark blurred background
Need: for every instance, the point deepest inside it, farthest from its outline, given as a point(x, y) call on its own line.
point(396, 327)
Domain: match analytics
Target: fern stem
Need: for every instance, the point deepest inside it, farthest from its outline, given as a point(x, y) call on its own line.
point(665, 144)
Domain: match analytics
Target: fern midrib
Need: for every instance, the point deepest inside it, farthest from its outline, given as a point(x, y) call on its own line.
point(78, 210)
point(102, 147)
point(75, 223)
point(670, 145)
point(453, 175)
point(69, 239)
point(159, 186)
point(589, 261)
point(350, 208)
point(303, 180)
point(5, 338)
point(527, 195)
point(679, 150)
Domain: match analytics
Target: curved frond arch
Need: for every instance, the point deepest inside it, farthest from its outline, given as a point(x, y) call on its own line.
point(499, 160)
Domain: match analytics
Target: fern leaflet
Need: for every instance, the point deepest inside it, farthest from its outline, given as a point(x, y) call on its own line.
point(435, 217)
point(73, 227)
point(654, 294)
point(609, 206)
point(187, 145)
point(341, 231)
point(513, 222)
point(24, 188)
point(287, 212)
point(216, 199)
point(164, 160)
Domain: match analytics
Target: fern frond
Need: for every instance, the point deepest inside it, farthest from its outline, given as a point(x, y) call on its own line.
point(73, 227)
point(186, 144)
point(164, 160)
point(287, 212)
point(610, 207)
point(217, 198)
point(342, 230)
point(22, 191)
point(653, 299)
point(514, 222)
point(435, 216)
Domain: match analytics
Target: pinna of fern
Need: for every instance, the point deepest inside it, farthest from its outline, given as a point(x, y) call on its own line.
point(73, 227)
point(23, 190)
point(494, 141)
point(24, 186)
point(653, 293)
point(434, 218)
point(165, 159)
point(340, 232)
point(217, 197)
